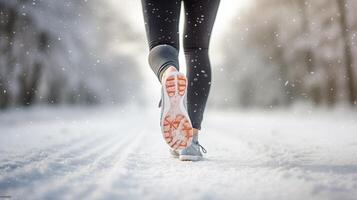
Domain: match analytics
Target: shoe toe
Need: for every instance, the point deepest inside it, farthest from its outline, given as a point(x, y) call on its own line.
point(191, 151)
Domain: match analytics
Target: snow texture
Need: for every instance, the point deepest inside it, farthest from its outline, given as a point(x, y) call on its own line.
point(118, 153)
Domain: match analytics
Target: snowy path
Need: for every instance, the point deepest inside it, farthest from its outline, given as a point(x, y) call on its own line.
point(110, 153)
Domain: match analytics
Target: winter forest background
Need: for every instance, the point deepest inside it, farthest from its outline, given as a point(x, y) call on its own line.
point(79, 116)
point(268, 54)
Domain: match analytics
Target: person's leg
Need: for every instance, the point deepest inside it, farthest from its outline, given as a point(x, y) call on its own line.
point(199, 20)
point(162, 29)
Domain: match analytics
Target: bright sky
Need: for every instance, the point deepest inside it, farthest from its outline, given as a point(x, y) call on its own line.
point(227, 11)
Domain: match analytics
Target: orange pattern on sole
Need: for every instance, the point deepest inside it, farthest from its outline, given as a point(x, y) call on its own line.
point(180, 124)
point(171, 86)
point(182, 84)
point(177, 129)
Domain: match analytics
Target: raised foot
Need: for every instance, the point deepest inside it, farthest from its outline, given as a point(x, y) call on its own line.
point(176, 125)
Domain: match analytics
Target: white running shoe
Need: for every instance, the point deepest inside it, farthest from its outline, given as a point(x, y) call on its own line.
point(175, 122)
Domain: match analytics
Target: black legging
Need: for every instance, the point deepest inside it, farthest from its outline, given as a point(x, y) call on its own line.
point(162, 29)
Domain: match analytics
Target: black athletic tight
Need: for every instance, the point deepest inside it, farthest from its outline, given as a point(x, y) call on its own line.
point(162, 29)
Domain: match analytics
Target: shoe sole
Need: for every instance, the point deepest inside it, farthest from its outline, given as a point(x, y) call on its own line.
point(176, 124)
point(189, 158)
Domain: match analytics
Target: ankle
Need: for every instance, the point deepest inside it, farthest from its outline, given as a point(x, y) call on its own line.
point(195, 132)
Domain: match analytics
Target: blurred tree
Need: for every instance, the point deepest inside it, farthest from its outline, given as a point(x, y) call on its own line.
point(8, 18)
point(302, 43)
point(61, 52)
point(348, 59)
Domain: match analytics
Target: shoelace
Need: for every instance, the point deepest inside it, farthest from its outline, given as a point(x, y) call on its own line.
point(202, 148)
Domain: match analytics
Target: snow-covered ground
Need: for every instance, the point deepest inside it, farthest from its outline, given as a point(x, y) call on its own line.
point(118, 153)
